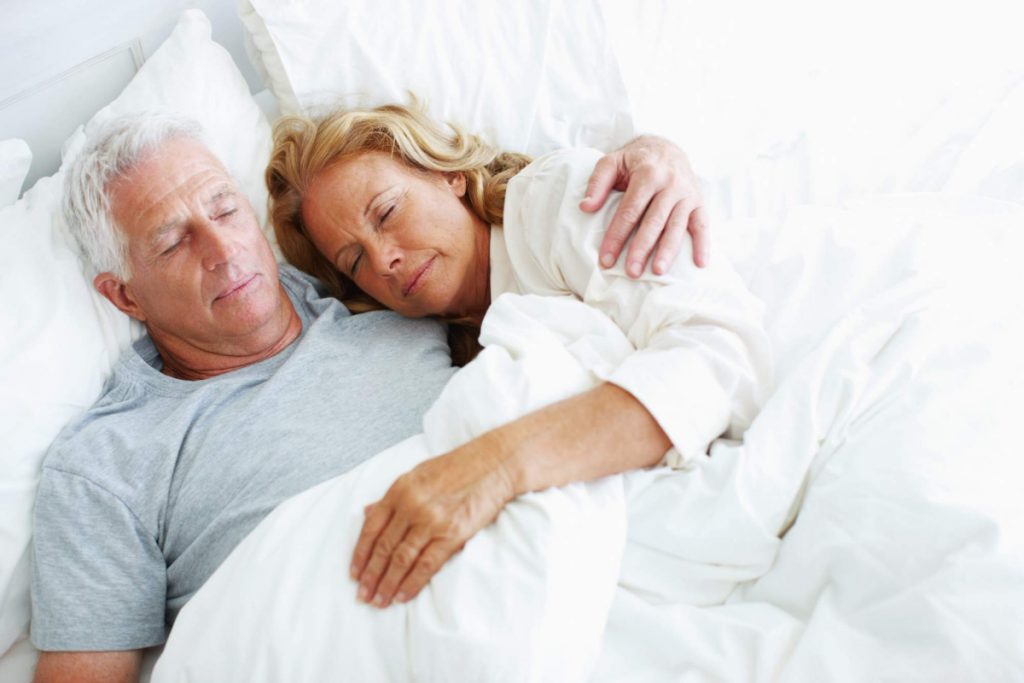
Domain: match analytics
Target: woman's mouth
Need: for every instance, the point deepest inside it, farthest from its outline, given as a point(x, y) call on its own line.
point(419, 278)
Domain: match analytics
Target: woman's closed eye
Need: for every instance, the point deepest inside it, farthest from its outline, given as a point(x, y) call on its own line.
point(355, 263)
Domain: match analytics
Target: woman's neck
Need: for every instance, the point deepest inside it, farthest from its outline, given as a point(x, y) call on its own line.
point(476, 296)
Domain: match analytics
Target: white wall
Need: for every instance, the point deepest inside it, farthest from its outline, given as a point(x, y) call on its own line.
point(48, 85)
point(817, 100)
point(825, 98)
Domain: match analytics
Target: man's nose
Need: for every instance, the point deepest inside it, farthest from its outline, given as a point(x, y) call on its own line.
point(218, 246)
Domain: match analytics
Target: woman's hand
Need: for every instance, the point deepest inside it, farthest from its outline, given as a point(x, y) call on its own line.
point(426, 516)
point(662, 200)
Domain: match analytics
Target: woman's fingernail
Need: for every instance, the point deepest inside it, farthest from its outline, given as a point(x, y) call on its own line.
point(364, 593)
point(400, 597)
point(353, 571)
point(634, 269)
point(660, 267)
point(378, 600)
point(606, 260)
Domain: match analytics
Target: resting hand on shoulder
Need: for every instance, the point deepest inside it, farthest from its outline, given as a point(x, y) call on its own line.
point(662, 202)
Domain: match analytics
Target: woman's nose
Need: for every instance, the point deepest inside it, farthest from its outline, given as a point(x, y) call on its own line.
point(387, 259)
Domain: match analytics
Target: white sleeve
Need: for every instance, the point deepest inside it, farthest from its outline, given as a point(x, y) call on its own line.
point(702, 363)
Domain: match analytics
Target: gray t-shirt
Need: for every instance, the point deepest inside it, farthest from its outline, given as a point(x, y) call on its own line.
point(145, 496)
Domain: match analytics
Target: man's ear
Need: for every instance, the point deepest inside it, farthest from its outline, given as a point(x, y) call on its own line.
point(456, 181)
point(118, 293)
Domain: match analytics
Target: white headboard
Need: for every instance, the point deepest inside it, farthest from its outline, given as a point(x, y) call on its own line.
point(64, 59)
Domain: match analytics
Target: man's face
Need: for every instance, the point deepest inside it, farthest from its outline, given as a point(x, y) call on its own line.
point(201, 270)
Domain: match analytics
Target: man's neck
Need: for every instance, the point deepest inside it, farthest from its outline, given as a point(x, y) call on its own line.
point(187, 361)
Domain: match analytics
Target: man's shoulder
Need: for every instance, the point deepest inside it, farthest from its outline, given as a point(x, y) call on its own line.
point(295, 279)
point(308, 293)
point(82, 443)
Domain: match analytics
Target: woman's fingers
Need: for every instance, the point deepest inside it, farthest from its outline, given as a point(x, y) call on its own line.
point(380, 555)
point(426, 515)
point(430, 561)
point(377, 517)
point(400, 563)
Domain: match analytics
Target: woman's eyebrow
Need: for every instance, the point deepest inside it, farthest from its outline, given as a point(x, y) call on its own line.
point(373, 200)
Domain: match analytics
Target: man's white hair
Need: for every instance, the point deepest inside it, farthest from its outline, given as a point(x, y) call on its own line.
point(115, 149)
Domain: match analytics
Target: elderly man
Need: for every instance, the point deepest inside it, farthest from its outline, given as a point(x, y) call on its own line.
point(250, 386)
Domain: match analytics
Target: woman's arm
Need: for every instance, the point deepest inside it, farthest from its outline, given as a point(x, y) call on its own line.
point(699, 363)
point(430, 512)
point(702, 360)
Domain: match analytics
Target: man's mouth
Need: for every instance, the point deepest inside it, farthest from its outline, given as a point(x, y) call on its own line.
point(236, 288)
point(418, 278)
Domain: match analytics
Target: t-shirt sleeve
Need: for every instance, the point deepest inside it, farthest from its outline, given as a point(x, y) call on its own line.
point(99, 578)
point(702, 362)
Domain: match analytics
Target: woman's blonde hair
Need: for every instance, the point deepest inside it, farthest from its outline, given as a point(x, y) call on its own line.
point(304, 147)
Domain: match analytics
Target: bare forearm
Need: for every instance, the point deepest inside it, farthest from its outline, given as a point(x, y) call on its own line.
point(432, 510)
point(81, 667)
point(600, 432)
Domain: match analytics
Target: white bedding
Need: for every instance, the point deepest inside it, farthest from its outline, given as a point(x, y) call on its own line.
point(905, 561)
point(887, 446)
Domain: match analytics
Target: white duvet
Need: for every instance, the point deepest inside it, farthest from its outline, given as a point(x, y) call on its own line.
point(868, 527)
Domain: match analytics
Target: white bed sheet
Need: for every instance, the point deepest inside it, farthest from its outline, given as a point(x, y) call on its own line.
point(971, 145)
point(887, 446)
point(907, 557)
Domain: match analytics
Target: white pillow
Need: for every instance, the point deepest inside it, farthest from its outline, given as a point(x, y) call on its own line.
point(15, 159)
point(529, 76)
point(60, 337)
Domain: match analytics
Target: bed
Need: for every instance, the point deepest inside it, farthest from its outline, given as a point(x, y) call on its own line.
point(868, 527)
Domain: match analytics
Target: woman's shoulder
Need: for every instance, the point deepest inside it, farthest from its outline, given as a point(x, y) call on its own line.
point(568, 162)
point(537, 194)
point(543, 224)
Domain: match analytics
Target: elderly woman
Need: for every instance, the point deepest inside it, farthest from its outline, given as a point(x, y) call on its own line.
point(392, 209)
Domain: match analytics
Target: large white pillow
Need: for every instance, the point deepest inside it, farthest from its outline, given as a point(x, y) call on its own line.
point(15, 159)
point(60, 337)
point(530, 76)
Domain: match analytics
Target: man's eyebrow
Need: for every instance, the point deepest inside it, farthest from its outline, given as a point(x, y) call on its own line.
point(222, 192)
point(167, 227)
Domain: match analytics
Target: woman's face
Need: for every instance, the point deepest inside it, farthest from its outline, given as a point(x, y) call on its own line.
point(404, 237)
